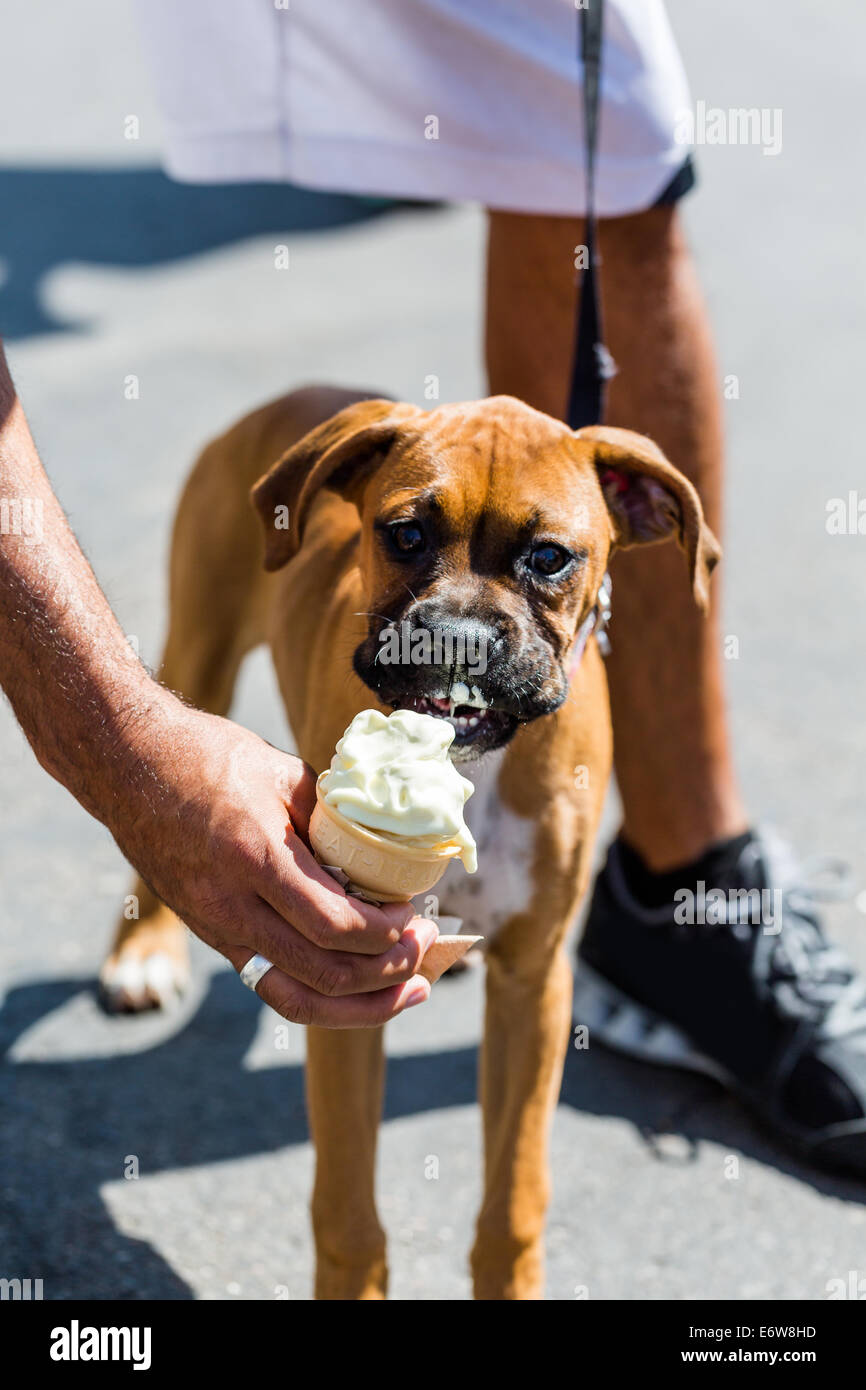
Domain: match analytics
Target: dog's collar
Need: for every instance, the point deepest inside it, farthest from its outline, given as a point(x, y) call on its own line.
point(594, 625)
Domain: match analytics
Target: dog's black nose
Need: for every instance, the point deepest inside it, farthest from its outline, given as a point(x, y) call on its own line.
point(462, 644)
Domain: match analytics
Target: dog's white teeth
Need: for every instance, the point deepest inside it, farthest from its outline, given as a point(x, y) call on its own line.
point(463, 723)
point(462, 695)
point(459, 695)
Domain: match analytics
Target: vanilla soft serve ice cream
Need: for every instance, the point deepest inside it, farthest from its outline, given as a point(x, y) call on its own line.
point(392, 774)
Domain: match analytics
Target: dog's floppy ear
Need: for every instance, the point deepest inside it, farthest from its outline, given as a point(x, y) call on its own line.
point(649, 500)
point(337, 454)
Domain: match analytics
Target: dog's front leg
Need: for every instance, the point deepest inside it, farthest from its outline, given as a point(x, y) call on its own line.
point(345, 1075)
point(525, 1041)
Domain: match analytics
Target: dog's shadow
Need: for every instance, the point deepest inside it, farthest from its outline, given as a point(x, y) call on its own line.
point(69, 1125)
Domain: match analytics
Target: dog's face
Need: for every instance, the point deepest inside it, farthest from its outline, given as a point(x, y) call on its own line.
point(485, 537)
point(485, 534)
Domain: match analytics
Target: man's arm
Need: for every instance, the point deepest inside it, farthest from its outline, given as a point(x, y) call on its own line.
point(196, 803)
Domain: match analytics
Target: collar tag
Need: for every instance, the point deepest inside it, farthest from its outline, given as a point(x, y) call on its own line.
point(602, 610)
point(594, 624)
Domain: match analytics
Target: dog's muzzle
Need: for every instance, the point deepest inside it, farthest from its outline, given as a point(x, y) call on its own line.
point(483, 678)
point(459, 669)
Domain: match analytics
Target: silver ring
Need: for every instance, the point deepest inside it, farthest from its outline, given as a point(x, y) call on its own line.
point(255, 969)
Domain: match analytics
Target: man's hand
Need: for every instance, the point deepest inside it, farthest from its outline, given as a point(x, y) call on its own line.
point(213, 818)
point(216, 820)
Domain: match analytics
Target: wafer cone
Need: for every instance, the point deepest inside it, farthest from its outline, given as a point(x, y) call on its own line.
point(442, 955)
point(385, 870)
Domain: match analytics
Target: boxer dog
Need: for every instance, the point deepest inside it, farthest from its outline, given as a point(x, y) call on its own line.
point(491, 521)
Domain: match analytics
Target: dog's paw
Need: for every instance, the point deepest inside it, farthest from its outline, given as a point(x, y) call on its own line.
point(148, 968)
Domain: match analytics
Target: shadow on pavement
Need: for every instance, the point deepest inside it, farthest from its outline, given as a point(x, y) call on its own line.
point(130, 217)
point(663, 1103)
point(69, 1125)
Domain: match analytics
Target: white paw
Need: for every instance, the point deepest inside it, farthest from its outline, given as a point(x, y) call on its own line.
point(132, 983)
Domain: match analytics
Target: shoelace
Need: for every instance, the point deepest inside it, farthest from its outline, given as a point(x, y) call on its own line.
point(810, 976)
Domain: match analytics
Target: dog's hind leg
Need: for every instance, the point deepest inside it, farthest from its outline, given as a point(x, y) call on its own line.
point(345, 1079)
point(217, 595)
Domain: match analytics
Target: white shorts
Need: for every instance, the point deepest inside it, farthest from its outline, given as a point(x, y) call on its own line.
point(428, 99)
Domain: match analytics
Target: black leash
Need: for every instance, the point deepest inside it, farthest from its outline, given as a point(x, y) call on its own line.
point(593, 364)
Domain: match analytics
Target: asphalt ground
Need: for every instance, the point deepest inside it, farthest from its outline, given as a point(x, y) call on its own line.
point(662, 1187)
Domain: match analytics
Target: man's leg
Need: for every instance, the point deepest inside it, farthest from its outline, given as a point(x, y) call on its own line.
point(665, 665)
point(796, 1051)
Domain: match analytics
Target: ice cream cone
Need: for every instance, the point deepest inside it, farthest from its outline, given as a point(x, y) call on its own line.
point(384, 869)
point(442, 955)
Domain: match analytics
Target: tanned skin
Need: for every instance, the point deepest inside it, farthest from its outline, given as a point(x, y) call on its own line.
point(213, 818)
point(665, 667)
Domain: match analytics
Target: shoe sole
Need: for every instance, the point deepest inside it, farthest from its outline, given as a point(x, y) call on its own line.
point(626, 1026)
point(623, 1025)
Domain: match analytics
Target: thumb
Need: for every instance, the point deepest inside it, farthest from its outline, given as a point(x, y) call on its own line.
point(299, 783)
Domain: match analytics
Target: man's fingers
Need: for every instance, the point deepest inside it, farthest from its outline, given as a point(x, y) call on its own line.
point(300, 890)
point(300, 1004)
point(334, 973)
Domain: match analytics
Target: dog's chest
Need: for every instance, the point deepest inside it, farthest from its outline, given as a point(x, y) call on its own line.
point(503, 883)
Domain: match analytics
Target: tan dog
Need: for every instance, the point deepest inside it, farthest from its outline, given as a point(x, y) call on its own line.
point(490, 521)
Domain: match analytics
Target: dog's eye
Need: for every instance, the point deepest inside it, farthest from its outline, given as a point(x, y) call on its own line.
point(548, 559)
point(407, 537)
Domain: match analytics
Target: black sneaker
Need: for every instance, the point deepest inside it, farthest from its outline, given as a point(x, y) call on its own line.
point(739, 982)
